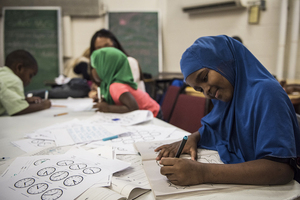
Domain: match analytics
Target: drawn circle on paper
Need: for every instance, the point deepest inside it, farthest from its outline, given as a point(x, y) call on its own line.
point(46, 171)
point(78, 166)
point(57, 176)
point(155, 133)
point(37, 188)
point(65, 162)
point(147, 138)
point(73, 180)
point(40, 161)
point(25, 182)
point(52, 194)
point(92, 170)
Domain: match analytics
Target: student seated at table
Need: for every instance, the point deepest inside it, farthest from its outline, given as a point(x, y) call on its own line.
point(105, 38)
point(20, 67)
point(252, 125)
point(111, 71)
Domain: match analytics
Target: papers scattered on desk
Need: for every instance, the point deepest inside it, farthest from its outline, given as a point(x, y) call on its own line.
point(61, 176)
point(127, 184)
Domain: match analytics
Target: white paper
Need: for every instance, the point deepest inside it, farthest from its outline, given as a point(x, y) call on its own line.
point(159, 183)
point(85, 133)
point(125, 143)
point(30, 145)
point(85, 104)
point(125, 119)
point(65, 177)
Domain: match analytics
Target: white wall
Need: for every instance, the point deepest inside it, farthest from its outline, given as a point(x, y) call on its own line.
point(180, 30)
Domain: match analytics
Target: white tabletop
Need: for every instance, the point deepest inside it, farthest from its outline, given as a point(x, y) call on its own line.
point(14, 128)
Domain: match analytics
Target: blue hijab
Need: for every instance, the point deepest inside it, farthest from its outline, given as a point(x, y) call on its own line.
point(260, 119)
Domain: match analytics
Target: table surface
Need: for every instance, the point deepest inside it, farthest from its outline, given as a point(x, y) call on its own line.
point(14, 128)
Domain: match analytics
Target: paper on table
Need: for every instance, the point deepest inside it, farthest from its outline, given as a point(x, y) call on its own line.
point(160, 184)
point(30, 145)
point(124, 119)
point(84, 104)
point(127, 184)
point(124, 144)
point(85, 133)
point(67, 177)
point(45, 133)
point(103, 193)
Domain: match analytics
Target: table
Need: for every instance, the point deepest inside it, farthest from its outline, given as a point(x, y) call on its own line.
point(14, 128)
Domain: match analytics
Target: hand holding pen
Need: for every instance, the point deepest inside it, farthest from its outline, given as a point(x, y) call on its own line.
point(170, 150)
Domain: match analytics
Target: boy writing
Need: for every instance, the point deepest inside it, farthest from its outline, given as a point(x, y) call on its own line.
point(20, 67)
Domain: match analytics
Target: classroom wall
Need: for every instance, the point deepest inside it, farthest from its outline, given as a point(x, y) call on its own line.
point(180, 30)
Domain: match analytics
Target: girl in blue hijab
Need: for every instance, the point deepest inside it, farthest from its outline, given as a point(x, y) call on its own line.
point(252, 125)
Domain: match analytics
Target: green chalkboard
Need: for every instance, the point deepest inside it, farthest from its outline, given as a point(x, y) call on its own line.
point(36, 30)
point(138, 33)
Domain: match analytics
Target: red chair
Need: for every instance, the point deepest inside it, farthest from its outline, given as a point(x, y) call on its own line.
point(188, 112)
point(169, 101)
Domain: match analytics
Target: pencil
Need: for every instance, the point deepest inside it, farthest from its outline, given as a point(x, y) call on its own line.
point(60, 114)
point(59, 106)
point(99, 94)
point(181, 146)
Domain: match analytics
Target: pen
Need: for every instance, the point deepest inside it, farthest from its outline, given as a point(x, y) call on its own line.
point(99, 94)
point(110, 138)
point(46, 94)
point(60, 114)
point(181, 146)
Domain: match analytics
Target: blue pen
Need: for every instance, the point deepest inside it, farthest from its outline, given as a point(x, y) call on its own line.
point(110, 138)
point(181, 146)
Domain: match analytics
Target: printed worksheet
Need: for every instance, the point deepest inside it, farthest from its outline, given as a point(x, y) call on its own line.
point(65, 177)
point(86, 133)
point(30, 145)
point(127, 184)
point(124, 144)
point(124, 119)
point(159, 183)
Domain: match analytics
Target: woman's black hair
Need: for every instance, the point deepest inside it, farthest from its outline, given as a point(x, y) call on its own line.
point(107, 34)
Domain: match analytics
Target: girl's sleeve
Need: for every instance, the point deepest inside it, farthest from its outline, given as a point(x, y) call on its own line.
point(116, 90)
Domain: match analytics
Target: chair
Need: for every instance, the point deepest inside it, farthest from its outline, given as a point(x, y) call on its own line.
point(188, 112)
point(169, 101)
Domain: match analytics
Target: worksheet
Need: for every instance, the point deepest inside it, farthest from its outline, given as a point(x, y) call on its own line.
point(30, 145)
point(124, 119)
point(159, 183)
point(124, 144)
point(126, 184)
point(65, 177)
point(86, 133)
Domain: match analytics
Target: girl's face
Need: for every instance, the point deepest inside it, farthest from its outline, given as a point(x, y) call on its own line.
point(96, 78)
point(101, 42)
point(211, 83)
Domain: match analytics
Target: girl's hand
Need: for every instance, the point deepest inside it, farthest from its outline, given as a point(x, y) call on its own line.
point(33, 99)
point(102, 106)
point(183, 171)
point(170, 150)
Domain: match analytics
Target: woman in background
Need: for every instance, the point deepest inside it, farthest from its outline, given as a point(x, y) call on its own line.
point(105, 38)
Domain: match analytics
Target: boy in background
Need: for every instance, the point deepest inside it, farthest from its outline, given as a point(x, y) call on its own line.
point(20, 67)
